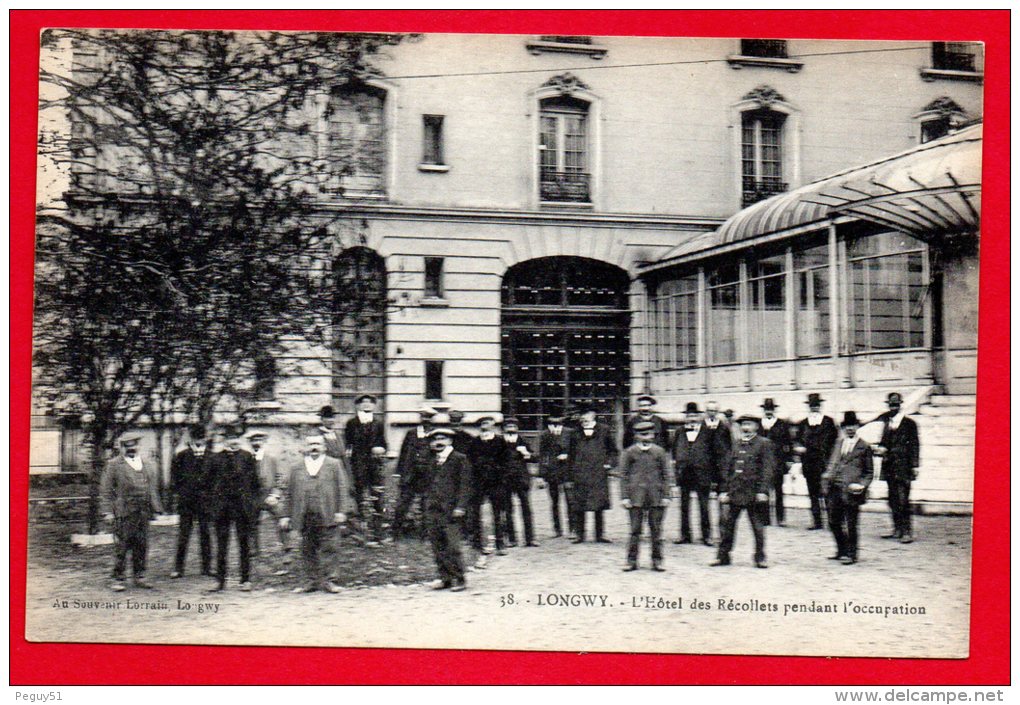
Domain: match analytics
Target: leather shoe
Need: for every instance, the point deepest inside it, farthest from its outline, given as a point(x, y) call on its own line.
point(459, 587)
point(603, 539)
point(577, 540)
point(500, 551)
point(893, 535)
point(532, 544)
point(718, 562)
point(246, 586)
point(441, 585)
point(815, 528)
point(761, 564)
point(907, 538)
point(657, 567)
point(837, 557)
point(118, 586)
point(847, 560)
point(331, 587)
point(630, 567)
point(220, 587)
point(707, 542)
point(682, 541)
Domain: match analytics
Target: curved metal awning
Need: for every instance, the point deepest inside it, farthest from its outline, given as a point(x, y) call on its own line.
point(928, 192)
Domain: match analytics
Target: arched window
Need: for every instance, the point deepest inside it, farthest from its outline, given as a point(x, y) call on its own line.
point(355, 142)
point(359, 326)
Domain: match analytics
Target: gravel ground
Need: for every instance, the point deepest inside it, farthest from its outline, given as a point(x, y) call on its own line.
point(899, 600)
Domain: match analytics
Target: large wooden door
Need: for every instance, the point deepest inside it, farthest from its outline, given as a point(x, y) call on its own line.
point(565, 338)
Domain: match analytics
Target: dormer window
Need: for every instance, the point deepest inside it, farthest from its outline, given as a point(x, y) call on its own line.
point(566, 44)
point(955, 61)
point(763, 48)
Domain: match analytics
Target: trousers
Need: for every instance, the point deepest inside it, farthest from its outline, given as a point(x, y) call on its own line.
point(843, 517)
point(814, 486)
point(188, 517)
point(730, 514)
point(444, 535)
point(132, 534)
point(899, 503)
point(232, 515)
point(317, 538)
point(638, 516)
point(685, 512)
point(523, 497)
point(580, 521)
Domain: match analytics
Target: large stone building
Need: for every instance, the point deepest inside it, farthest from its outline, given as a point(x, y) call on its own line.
point(557, 219)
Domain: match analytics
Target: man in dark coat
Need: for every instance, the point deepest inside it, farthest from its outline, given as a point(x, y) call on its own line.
point(845, 485)
point(778, 431)
point(816, 436)
point(189, 483)
point(695, 464)
point(446, 502)
point(592, 455)
point(900, 450)
point(553, 452)
point(365, 435)
point(128, 496)
point(720, 436)
point(412, 466)
point(317, 500)
point(464, 443)
point(235, 499)
point(746, 486)
point(518, 481)
point(644, 487)
point(489, 464)
point(646, 413)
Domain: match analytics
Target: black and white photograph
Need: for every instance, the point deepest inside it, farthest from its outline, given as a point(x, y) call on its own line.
point(505, 342)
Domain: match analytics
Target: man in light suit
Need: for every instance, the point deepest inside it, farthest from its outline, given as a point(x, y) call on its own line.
point(317, 500)
point(267, 470)
point(129, 494)
point(845, 485)
point(900, 450)
point(644, 488)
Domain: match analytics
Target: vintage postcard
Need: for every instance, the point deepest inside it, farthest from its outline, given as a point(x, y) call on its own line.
point(515, 342)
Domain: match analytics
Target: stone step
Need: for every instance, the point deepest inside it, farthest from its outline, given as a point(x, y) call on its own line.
point(946, 411)
point(952, 400)
point(946, 430)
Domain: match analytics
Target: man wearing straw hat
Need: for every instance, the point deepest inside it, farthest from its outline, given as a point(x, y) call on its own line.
point(446, 501)
point(129, 494)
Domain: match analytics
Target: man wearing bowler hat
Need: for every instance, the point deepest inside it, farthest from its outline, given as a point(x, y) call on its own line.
point(446, 502)
point(189, 481)
point(129, 494)
point(900, 450)
point(816, 437)
point(365, 435)
point(553, 447)
point(235, 500)
point(694, 461)
point(746, 486)
point(644, 488)
point(778, 431)
point(845, 486)
point(646, 413)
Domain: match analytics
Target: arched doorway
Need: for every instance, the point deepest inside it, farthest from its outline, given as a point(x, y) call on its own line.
point(565, 338)
point(359, 327)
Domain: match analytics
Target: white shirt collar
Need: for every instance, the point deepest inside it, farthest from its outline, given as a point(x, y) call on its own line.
point(259, 453)
point(768, 423)
point(849, 443)
point(135, 462)
point(693, 435)
point(441, 457)
point(313, 465)
point(510, 438)
point(896, 420)
point(365, 416)
point(814, 418)
point(712, 423)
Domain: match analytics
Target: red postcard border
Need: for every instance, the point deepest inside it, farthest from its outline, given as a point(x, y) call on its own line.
point(34, 663)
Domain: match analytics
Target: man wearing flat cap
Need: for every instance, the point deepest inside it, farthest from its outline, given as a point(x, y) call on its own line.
point(365, 435)
point(646, 413)
point(778, 431)
point(694, 458)
point(900, 450)
point(316, 502)
point(446, 502)
point(815, 439)
point(518, 482)
point(129, 495)
point(553, 448)
point(644, 489)
point(235, 501)
point(189, 483)
point(412, 466)
point(845, 486)
point(746, 487)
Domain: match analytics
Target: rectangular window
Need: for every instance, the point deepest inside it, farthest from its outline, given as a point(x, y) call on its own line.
point(888, 292)
point(563, 150)
point(761, 155)
point(432, 142)
point(767, 315)
point(724, 313)
point(675, 324)
point(763, 48)
point(433, 380)
point(434, 277)
point(812, 327)
point(933, 129)
point(954, 56)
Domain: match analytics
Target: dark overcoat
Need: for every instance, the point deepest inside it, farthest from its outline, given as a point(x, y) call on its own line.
point(361, 438)
point(661, 431)
point(550, 447)
point(903, 449)
point(591, 458)
point(818, 442)
point(516, 476)
point(234, 481)
point(413, 462)
point(695, 462)
point(489, 461)
point(751, 470)
point(782, 443)
point(449, 487)
point(189, 477)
